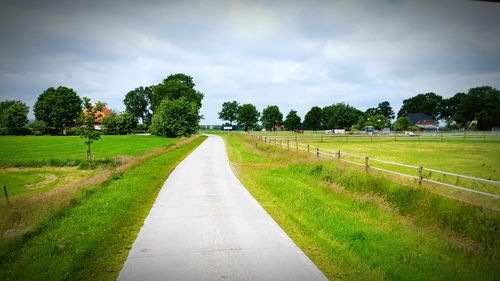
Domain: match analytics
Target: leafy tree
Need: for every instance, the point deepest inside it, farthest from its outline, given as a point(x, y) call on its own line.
point(122, 123)
point(340, 115)
point(13, 114)
point(87, 118)
point(174, 118)
point(384, 108)
point(481, 104)
point(378, 121)
point(428, 103)
point(271, 116)
point(136, 102)
point(229, 111)
point(449, 107)
point(37, 127)
point(292, 121)
point(313, 118)
point(247, 116)
point(402, 123)
point(175, 87)
point(59, 108)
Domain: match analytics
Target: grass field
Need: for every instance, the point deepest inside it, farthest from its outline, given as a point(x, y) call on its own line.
point(355, 226)
point(90, 238)
point(60, 150)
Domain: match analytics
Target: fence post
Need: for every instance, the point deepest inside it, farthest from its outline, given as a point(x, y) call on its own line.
point(287, 144)
point(338, 155)
point(6, 194)
point(420, 175)
point(366, 163)
point(317, 151)
point(307, 148)
point(297, 146)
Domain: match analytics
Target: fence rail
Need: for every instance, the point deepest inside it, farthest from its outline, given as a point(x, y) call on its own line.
point(343, 156)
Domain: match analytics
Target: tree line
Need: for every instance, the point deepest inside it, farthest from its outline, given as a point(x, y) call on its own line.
point(479, 108)
point(169, 108)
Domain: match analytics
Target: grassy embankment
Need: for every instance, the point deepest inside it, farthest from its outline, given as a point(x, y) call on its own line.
point(356, 226)
point(90, 238)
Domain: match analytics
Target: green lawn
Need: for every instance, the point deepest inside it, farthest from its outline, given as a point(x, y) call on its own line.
point(355, 226)
point(56, 150)
point(90, 239)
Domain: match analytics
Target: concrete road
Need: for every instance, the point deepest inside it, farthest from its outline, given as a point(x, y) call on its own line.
point(205, 225)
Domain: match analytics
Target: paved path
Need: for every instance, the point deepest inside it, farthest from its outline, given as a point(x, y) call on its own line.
point(205, 225)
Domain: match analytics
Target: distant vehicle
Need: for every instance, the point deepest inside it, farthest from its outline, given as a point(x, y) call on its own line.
point(327, 132)
point(386, 131)
point(408, 133)
point(370, 130)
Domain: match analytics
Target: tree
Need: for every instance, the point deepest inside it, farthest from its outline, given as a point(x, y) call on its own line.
point(428, 103)
point(174, 118)
point(174, 87)
point(121, 123)
point(247, 116)
point(59, 108)
point(87, 118)
point(481, 104)
point(449, 107)
point(340, 116)
point(402, 123)
point(13, 114)
point(313, 118)
point(384, 108)
point(136, 102)
point(229, 111)
point(271, 117)
point(292, 121)
point(378, 121)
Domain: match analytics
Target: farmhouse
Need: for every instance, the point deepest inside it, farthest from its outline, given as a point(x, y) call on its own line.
point(423, 121)
point(99, 116)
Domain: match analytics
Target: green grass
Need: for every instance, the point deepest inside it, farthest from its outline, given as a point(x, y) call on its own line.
point(474, 158)
point(358, 227)
point(70, 150)
point(90, 240)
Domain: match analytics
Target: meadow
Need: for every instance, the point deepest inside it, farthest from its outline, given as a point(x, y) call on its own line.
point(89, 237)
point(358, 226)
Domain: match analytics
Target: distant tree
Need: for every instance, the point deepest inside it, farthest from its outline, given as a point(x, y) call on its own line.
point(175, 87)
point(384, 108)
point(121, 123)
point(271, 117)
point(371, 111)
point(481, 104)
point(247, 116)
point(449, 107)
point(229, 111)
point(428, 103)
point(402, 123)
point(292, 121)
point(313, 118)
point(13, 114)
point(59, 107)
point(378, 121)
point(87, 118)
point(175, 118)
point(340, 116)
point(37, 127)
point(136, 102)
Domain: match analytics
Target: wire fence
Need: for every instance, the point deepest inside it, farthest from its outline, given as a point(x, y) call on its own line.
point(480, 186)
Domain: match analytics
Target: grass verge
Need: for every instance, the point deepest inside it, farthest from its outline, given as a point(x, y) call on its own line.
point(90, 239)
point(358, 227)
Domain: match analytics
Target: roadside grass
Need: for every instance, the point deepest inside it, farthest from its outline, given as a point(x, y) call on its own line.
point(35, 151)
point(356, 226)
point(90, 239)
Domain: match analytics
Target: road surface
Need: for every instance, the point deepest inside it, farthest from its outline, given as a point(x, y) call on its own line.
point(204, 225)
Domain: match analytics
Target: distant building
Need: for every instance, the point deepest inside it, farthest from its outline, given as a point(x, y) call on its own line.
point(99, 116)
point(423, 121)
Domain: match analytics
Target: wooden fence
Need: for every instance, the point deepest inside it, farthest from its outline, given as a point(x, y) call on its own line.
point(365, 161)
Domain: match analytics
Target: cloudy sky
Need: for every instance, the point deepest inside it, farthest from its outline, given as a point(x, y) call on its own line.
point(295, 54)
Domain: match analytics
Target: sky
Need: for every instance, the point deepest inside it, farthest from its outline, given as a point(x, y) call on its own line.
point(294, 54)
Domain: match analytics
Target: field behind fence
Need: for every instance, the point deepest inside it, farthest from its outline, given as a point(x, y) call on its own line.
point(479, 191)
